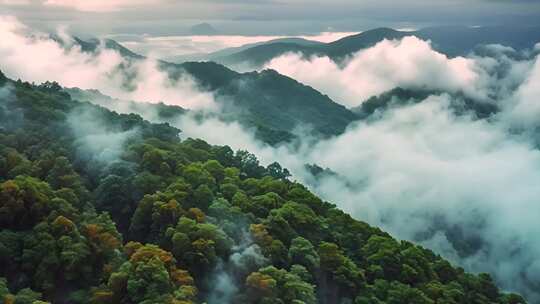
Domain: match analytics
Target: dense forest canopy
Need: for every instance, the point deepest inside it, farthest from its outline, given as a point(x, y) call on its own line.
point(101, 207)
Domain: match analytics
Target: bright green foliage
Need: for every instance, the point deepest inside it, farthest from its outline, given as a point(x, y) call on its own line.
point(303, 253)
point(168, 219)
point(340, 268)
point(149, 276)
point(197, 245)
point(272, 285)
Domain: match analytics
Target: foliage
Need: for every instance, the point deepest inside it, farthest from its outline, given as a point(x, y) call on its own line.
point(156, 223)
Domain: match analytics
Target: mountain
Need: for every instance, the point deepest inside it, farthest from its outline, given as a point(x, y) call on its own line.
point(203, 29)
point(162, 111)
point(400, 97)
point(457, 41)
point(272, 103)
point(450, 40)
point(218, 55)
point(258, 55)
point(101, 207)
point(350, 44)
point(92, 45)
point(268, 98)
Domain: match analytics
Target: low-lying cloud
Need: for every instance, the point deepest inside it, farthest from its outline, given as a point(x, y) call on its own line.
point(464, 187)
point(420, 172)
point(35, 57)
point(173, 47)
point(95, 142)
point(408, 63)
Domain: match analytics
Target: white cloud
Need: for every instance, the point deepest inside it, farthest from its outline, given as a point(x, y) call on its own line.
point(409, 62)
point(15, 2)
point(100, 5)
point(171, 46)
point(37, 58)
point(327, 37)
point(525, 106)
point(418, 168)
point(422, 170)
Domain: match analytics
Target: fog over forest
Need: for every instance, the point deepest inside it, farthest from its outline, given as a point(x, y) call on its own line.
point(432, 171)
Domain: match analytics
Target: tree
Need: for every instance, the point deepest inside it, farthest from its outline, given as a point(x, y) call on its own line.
point(272, 285)
point(215, 169)
point(341, 269)
point(24, 202)
point(150, 276)
point(196, 175)
point(203, 197)
point(384, 252)
point(249, 164)
point(197, 245)
point(303, 253)
point(114, 195)
point(276, 171)
point(62, 175)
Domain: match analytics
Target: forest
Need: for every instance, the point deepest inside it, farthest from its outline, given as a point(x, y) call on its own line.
point(166, 219)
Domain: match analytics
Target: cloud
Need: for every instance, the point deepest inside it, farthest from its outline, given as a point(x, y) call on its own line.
point(408, 63)
point(101, 5)
point(422, 173)
point(15, 2)
point(246, 257)
point(525, 108)
point(421, 169)
point(93, 140)
point(35, 57)
point(464, 187)
point(170, 46)
point(10, 119)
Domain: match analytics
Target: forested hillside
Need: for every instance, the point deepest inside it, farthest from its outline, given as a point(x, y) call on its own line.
point(400, 97)
point(99, 207)
point(267, 101)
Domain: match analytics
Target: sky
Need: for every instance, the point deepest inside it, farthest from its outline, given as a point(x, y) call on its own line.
point(162, 28)
point(263, 17)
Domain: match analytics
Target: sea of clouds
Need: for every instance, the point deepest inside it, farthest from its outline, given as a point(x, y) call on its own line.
point(420, 171)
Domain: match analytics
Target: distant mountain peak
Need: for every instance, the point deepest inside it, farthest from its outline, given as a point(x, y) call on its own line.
point(203, 29)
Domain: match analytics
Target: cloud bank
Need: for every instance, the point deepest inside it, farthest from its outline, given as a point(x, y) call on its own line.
point(173, 46)
point(34, 56)
point(464, 187)
point(407, 63)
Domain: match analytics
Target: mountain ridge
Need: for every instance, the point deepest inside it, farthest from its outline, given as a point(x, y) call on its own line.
point(244, 93)
point(450, 40)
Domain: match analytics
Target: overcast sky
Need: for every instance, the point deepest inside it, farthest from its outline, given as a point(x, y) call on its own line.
point(264, 17)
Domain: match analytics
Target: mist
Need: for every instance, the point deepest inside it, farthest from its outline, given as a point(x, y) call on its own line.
point(245, 258)
point(424, 174)
point(34, 56)
point(9, 119)
point(94, 141)
point(170, 47)
point(465, 187)
point(407, 63)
